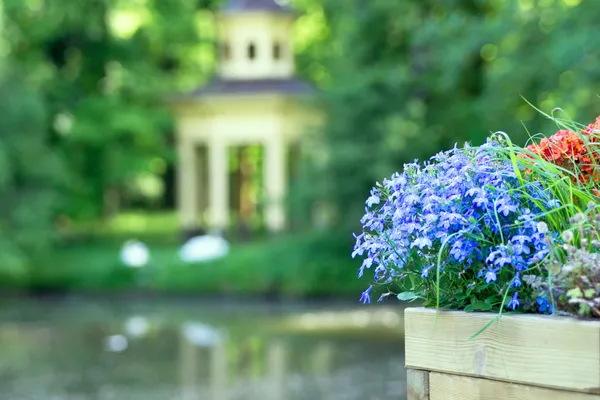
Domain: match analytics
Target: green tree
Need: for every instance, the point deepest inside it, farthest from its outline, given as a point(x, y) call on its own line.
point(104, 68)
point(402, 80)
point(30, 173)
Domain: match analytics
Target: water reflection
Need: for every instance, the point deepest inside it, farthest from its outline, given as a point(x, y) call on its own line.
point(198, 351)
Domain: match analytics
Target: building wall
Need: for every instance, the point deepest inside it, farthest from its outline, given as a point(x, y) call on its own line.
point(263, 31)
point(245, 119)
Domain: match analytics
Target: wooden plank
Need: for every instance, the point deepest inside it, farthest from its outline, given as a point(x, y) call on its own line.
point(447, 387)
point(555, 352)
point(417, 384)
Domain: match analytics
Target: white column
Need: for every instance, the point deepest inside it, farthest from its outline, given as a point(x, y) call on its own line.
point(218, 181)
point(202, 184)
point(275, 183)
point(187, 181)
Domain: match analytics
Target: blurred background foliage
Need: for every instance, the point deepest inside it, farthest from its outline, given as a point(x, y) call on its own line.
point(86, 137)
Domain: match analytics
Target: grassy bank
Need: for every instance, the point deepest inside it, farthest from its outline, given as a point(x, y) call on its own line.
point(312, 265)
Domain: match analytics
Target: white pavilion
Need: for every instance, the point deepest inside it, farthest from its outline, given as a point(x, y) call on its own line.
point(255, 100)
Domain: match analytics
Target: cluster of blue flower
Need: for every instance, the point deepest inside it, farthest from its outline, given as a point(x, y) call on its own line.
point(465, 209)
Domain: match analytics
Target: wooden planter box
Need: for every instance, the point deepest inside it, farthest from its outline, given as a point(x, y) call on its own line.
point(520, 357)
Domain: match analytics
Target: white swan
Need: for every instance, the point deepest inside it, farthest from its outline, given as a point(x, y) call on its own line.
point(135, 254)
point(204, 248)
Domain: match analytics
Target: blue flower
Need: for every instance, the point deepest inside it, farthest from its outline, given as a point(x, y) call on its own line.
point(505, 206)
point(430, 218)
point(516, 281)
point(543, 304)
point(422, 242)
point(553, 203)
point(366, 264)
point(380, 272)
point(473, 192)
point(445, 205)
point(374, 199)
point(514, 303)
point(539, 256)
point(425, 272)
point(383, 296)
point(519, 249)
point(457, 250)
point(481, 201)
point(490, 276)
point(503, 260)
point(521, 239)
point(492, 256)
point(366, 298)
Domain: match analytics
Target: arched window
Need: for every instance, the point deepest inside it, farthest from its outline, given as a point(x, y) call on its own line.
point(276, 51)
point(251, 51)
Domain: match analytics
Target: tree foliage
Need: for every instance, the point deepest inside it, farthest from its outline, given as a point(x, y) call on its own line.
point(402, 80)
point(103, 68)
point(83, 124)
point(30, 173)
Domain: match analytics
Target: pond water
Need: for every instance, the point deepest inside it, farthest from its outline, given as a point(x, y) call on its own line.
point(194, 350)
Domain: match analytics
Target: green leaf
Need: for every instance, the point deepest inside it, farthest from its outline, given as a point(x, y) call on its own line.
point(428, 303)
point(584, 309)
point(469, 308)
point(589, 293)
point(481, 305)
point(491, 300)
point(407, 296)
point(575, 293)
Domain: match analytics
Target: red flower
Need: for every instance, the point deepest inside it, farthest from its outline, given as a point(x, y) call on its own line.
point(593, 127)
point(569, 150)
